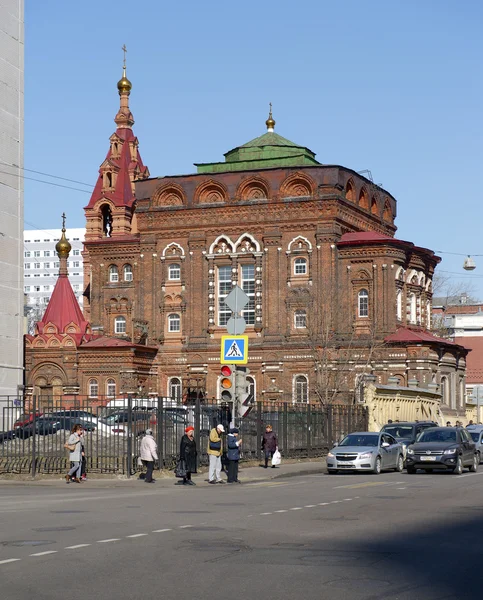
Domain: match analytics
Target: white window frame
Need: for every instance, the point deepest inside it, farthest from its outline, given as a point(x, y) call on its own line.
point(363, 304)
point(300, 388)
point(174, 323)
point(120, 325)
point(127, 273)
point(175, 388)
point(300, 266)
point(113, 274)
point(93, 388)
point(300, 319)
point(247, 280)
point(111, 388)
point(174, 272)
point(399, 305)
point(224, 287)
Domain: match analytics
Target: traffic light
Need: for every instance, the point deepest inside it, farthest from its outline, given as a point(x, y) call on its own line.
point(227, 383)
point(242, 391)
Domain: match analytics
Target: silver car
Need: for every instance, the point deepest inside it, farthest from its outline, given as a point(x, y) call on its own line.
point(366, 451)
point(476, 433)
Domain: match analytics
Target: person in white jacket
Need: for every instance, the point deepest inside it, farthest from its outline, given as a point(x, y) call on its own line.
point(149, 453)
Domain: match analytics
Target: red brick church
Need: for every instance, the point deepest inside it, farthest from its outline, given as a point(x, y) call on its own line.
point(333, 294)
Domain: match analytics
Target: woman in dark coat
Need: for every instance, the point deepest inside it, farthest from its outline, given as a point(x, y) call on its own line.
point(188, 453)
point(269, 444)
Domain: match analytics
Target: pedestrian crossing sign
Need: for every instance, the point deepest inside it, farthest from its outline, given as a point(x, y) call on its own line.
point(234, 350)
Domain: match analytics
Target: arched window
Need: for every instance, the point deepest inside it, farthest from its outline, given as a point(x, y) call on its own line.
point(412, 308)
point(363, 303)
point(399, 305)
point(127, 273)
point(93, 388)
point(301, 390)
point(174, 272)
point(428, 314)
point(120, 325)
point(110, 388)
point(300, 266)
point(113, 274)
point(300, 319)
point(174, 322)
point(444, 390)
point(109, 179)
point(174, 389)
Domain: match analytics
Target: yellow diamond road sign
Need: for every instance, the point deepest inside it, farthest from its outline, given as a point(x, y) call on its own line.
point(234, 350)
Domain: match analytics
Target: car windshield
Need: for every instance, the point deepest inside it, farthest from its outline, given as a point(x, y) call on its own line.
point(360, 440)
point(437, 435)
point(474, 436)
point(399, 431)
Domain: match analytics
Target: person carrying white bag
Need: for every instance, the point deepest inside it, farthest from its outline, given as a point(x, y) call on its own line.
point(270, 446)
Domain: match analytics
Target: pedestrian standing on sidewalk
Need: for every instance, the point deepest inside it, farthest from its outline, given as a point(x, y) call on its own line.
point(269, 444)
point(233, 444)
point(214, 452)
point(75, 457)
point(188, 453)
point(149, 453)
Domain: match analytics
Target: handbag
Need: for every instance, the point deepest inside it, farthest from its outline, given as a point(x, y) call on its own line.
point(276, 458)
point(69, 447)
point(180, 470)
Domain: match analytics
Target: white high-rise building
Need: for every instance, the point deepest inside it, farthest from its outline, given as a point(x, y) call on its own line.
point(41, 268)
point(11, 201)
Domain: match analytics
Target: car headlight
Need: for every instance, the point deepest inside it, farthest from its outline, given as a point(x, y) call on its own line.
point(410, 451)
point(366, 455)
point(330, 455)
point(450, 451)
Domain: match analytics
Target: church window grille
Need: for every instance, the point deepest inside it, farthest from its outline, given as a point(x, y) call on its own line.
point(174, 323)
point(174, 272)
point(363, 303)
point(174, 389)
point(120, 325)
point(248, 286)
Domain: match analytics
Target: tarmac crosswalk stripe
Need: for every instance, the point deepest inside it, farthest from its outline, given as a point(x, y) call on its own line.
point(135, 535)
point(8, 560)
point(161, 530)
point(44, 553)
point(185, 526)
point(77, 546)
point(109, 540)
point(266, 513)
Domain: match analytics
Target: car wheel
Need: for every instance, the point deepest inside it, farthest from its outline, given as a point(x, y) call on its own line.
point(476, 461)
point(333, 472)
point(400, 464)
point(377, 466)
point(459, 466)
point(479, 457)
point(411, 471)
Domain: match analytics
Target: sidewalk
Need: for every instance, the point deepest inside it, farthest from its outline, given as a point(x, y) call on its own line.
point(248, 474)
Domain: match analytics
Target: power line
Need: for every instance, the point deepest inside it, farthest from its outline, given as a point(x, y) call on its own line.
point(46, 174)
point(457, 253)
point(46, 182)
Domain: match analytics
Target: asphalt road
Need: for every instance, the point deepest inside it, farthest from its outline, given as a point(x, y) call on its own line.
point(345, 537)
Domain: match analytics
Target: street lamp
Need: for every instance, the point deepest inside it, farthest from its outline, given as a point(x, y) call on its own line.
point(469, 264)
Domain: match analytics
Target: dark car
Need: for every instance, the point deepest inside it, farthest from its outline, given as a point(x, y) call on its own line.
point(48, 425)
point(448, 448)
point(407, 432)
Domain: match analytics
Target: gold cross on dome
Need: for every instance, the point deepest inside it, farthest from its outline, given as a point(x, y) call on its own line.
point(124, 49)
point(63, 220)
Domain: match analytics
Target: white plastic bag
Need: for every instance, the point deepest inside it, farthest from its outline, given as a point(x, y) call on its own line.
point(276, 458)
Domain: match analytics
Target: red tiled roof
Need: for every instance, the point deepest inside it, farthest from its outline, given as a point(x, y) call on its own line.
point(405, 335)
point(474, 360)
point(63, 309)
point(109, 342)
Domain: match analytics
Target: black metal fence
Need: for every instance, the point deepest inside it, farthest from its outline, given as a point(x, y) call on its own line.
point(35, 432)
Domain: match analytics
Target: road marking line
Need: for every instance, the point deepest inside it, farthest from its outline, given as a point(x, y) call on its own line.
point(400, 488)
point(9, 560)
point(185, 526)
point(161, 530)
point(296, 508)
point(265, 513)
point(347, 499)
point(310, 505)
point(336, 501)
point(75, 547)
point(135, 535)
point(323, 503)
point(280, 511)
point(366, 484)
point(109, 540)
point(44, 553)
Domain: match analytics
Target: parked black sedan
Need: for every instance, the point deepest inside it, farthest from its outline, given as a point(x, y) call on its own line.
point(448, 448)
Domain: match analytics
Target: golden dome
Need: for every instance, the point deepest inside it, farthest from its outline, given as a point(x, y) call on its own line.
point(270, 122)
point(63, 246)
point(124, 85)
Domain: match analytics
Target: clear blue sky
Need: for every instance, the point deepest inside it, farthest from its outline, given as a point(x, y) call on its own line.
point(394, 87)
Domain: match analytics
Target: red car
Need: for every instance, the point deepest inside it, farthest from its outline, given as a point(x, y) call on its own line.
point(26, 418)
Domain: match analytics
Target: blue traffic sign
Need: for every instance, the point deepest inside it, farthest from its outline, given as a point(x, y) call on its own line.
point(234, 350)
